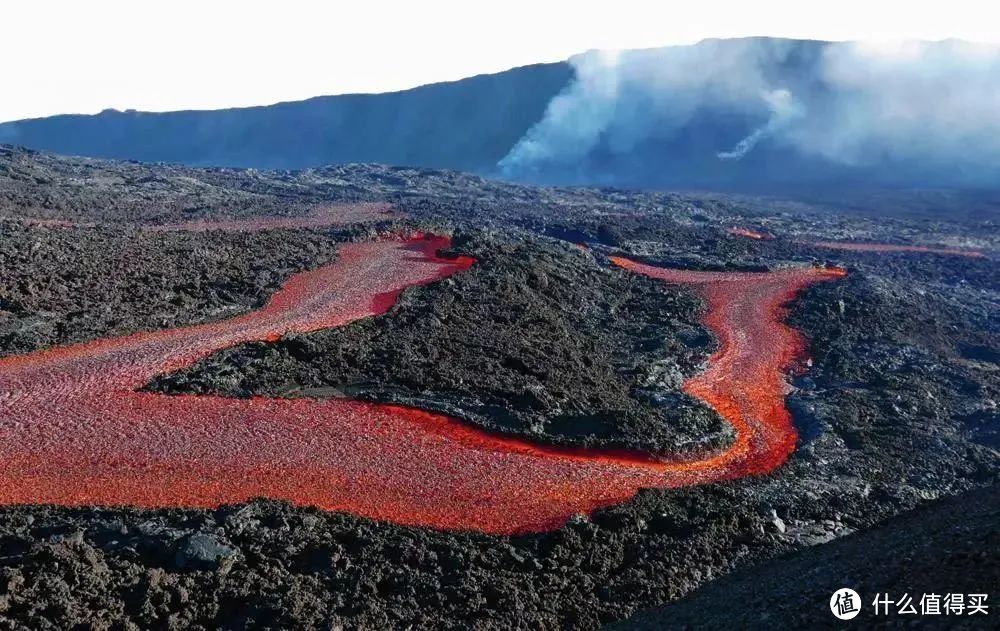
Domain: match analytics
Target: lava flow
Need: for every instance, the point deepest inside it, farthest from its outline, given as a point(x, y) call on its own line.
point(750, 234)
point(74, 430)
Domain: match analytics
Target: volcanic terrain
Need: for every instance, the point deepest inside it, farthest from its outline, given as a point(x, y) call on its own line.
point(374, 397)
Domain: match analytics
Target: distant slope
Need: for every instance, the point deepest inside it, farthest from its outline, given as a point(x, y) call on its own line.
point(468, 124)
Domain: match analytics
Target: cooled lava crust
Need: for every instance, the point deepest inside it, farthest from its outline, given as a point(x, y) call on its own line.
point(852, 246)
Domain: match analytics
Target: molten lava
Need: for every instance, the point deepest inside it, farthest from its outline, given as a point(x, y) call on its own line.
point(74, 430)
point(750, 234)
point(745, 380)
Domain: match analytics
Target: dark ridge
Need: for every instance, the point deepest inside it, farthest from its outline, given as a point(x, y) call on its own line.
point(468, 124)
point(949, 546)
point(473, 123)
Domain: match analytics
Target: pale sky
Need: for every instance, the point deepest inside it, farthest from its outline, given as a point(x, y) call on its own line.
point(75, 56)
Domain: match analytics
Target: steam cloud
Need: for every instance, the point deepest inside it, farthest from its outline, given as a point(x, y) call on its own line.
point(935, 105)
point(784, 110)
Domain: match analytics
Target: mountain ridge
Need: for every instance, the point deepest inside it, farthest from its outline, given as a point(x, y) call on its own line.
point(752, 115)
point(248, 134)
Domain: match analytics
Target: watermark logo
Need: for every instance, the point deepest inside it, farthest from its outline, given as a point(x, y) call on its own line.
point(932, 605)
point(845, 603)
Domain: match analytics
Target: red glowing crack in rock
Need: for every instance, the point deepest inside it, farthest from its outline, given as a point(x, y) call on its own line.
point(74, 430)
point(750, 234)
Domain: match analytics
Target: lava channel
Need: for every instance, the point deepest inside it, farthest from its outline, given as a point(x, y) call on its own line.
point(750, 234)
point(75, 430)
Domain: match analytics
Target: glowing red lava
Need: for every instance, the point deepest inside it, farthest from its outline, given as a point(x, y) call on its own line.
point(74, 430)
point(855, 246)
point(750, 234)
point(745, 379)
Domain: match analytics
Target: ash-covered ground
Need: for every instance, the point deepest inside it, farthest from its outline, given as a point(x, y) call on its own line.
point(897, 411)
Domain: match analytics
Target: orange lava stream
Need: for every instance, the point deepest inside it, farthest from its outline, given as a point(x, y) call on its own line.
point(750, 234)
point(74, 430)
point(745, 379)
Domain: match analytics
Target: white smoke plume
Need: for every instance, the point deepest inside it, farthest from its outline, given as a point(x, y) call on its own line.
point(907, 101)
point(785, 109)
point(575, 119)
point(624, 97)
point(927, 104)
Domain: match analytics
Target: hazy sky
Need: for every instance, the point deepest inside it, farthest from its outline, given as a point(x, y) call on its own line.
point(80, 56)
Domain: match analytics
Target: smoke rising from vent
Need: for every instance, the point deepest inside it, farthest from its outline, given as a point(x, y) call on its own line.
point(784, 110)
point(915, 107)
